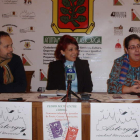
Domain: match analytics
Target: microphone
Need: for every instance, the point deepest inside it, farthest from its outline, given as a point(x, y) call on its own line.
point(70, 77)
point(70, 74)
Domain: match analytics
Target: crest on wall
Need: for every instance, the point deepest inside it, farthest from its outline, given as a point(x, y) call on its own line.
point(72, 16)
point(27, 45)
point(9, 30)
point(27, 1)
point(137, 1)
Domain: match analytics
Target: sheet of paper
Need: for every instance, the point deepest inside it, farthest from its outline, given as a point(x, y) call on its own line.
point(16, 120)
point(112, 121)
point(37, 98)
point(25, 96)
point(61, 92)
point(49, 95)
point(57, 121)
point(126, 98)
point(50, 92)
point(54, 92)
point(103, 97)
point(108, 98)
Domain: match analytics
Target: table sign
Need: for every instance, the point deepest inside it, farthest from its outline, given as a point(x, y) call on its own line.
point(59, 124)
point(115, 121)
point(16, 120)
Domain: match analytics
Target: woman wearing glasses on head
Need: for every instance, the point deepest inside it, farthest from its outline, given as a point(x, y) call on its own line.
point(125, 74)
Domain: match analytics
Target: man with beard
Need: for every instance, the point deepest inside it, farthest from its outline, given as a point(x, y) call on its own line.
point(12, 74)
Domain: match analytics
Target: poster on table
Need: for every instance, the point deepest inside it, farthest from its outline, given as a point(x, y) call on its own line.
point(111, 121)
point(61, 121)
point(16, 120)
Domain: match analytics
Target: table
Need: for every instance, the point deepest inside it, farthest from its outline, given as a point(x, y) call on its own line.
point(37, 120)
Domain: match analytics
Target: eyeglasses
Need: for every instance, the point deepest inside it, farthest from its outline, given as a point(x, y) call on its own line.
point(134, 47)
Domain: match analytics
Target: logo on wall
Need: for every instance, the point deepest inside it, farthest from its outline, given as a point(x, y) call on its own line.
point(11, 14)
point(137, 2)
point(79, 39)
point(71, 16)
point(118, 14)
point(9, 28)
point(28, 29)
point(25, 60)
point(135, 15)
point(134, 29)
point(27, 2)
point(118, 2)
point(118, 30)
point(118, 46)
point(43, 75)
point(27, 15)
point(27, 43)
point(10, 1)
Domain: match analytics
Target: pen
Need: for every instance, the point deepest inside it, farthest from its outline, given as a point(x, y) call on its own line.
point(95, 100)
point(15, 99)
point(41, 97)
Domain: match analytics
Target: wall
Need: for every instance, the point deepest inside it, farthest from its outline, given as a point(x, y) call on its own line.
point(35, 27)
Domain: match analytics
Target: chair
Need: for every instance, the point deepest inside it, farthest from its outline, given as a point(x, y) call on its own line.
point(28, 78)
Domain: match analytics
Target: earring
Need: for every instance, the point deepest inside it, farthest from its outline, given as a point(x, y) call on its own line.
point(63, 54)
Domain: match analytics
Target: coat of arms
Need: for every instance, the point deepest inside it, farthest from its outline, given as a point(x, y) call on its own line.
point(9, 29)
point(72, 16)
point(27, 45)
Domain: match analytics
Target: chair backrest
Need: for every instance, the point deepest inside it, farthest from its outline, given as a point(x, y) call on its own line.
point(28, 78)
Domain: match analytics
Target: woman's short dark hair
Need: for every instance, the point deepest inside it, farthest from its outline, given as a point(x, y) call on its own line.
point(62, 45)
point(129, 38)
point(2, 34)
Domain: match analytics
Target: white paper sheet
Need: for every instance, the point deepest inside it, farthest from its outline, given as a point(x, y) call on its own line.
point(113, 121)
point(108, 98)
point(16, 120)
point(56, 121)
point(25, 96)
point(44, 99)
point(54, 93)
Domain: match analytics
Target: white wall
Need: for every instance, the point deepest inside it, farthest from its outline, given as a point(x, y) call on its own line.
point(38, 15)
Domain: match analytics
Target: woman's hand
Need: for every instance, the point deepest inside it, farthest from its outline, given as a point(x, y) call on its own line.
point(137, 82)
point(135, 88)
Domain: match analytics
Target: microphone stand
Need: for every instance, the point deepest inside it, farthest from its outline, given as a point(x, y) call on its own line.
point(70, 91)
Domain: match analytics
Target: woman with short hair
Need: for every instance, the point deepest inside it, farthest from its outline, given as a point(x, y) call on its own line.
point(125, 74)
point(67, 59)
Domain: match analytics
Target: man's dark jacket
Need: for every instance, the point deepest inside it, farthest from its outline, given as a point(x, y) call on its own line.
point(19, 83)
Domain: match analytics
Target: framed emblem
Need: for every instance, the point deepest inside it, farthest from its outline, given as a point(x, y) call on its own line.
point(72, 16)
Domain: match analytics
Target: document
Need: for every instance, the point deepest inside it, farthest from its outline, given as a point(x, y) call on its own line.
point(16, 120)
point(25, 96)
point(113, 121)
point(54, 93)
point(62, 121)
